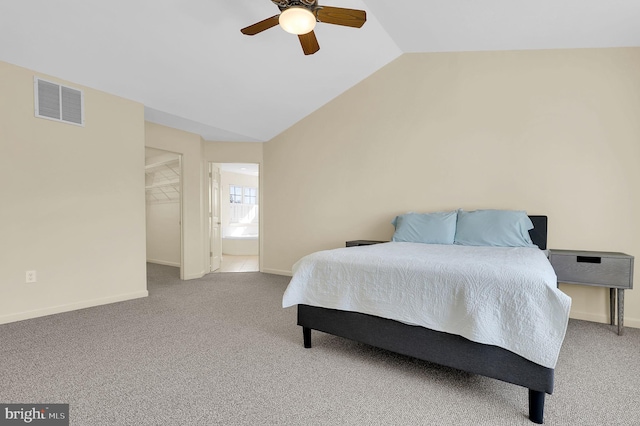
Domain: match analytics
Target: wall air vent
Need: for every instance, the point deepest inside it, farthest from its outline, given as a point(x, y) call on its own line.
point(60, 103)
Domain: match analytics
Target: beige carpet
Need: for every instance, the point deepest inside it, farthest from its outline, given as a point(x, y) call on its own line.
point(221, 351)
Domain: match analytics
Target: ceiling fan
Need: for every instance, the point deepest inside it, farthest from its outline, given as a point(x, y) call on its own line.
point(300, 16)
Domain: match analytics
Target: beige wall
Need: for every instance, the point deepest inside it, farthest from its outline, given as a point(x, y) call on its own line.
point(233, 152)
point(72, 202)
point(550, 132)
point(163, 233)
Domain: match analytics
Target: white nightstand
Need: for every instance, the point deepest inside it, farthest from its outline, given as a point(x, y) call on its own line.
point(597, 268)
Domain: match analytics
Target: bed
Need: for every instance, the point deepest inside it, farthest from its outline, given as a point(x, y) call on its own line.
point(435, 344)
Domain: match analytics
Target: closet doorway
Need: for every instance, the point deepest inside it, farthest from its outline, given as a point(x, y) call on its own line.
point(163, 188)
point(239, 216)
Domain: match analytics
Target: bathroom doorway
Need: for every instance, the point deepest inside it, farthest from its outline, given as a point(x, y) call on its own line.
point(239, 218)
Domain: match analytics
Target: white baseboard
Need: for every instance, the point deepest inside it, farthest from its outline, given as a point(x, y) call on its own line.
point(194, 276)
point(277, 272)
point(71, 307)
point(186, 277)
point(164, 262)
point(604, 319)
point(631, 322)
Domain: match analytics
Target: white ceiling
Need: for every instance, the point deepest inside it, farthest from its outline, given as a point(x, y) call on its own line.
point(188, 63)
point(250, 169)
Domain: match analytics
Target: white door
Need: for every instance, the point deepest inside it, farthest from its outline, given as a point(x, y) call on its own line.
point(215, 236)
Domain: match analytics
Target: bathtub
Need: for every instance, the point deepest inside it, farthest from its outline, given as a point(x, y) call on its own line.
point(243, 245)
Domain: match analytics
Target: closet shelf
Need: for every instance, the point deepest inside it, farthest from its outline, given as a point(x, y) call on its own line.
point(161, 164)
point(173, 183)
point(162, 180)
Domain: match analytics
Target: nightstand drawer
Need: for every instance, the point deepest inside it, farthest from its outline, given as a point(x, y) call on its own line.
point(593, 268)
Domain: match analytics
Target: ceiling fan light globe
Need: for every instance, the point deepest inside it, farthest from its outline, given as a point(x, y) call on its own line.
point(297, 20)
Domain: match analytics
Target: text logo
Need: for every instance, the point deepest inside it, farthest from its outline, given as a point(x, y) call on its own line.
point(34, 414)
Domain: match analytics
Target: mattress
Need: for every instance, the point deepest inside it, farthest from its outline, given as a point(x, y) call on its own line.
point(502, 296)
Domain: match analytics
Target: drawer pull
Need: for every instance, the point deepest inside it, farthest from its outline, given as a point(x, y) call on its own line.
point(589, 259)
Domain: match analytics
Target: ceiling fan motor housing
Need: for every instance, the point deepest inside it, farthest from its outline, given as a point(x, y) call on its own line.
point(285, 4)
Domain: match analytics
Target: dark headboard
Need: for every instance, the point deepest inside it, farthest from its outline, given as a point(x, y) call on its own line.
point(539, 232)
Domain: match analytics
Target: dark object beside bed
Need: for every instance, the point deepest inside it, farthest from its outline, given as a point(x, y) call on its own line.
point(441, 348)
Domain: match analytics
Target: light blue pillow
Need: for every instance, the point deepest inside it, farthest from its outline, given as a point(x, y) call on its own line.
point(498, 228)
point(427, 228)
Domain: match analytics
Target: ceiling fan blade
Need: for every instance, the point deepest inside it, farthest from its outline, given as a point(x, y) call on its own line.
point(309, 43)
point(258, 27)
point(340, 16)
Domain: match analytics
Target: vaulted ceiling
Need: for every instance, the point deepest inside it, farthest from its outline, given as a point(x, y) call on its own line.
point(188, 63)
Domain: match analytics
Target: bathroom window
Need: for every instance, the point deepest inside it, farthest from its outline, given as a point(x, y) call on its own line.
point(250, 195)
point(243, 194)
point(235, 194)
point(243, 204)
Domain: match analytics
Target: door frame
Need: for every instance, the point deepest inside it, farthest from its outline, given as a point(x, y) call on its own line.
point(210, 216)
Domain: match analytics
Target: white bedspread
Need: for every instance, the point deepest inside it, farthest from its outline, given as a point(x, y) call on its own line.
point(500, 296)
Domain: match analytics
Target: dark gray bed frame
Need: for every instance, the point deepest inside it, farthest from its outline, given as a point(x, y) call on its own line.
point(441, 348)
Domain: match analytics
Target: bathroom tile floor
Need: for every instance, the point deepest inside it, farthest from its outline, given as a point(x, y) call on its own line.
point(239, 263)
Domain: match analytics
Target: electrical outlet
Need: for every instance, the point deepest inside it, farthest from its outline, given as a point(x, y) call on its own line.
point(31, 276)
